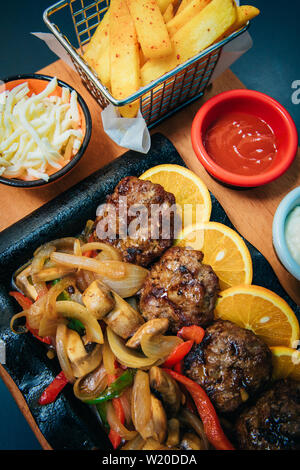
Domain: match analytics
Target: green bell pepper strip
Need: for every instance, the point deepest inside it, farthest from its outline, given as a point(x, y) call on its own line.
point(73, 323)
point(64, 295)
point(76, 325)
point(101, 408)
point(115, 389)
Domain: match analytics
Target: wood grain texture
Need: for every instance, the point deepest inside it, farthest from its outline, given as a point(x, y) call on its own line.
point(251, 211)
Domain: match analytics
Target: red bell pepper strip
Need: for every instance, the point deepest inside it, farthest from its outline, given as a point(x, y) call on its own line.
point(25, 303)
point(207, 413)
point(35, 333)
point(50, 394)
point(188, 403)
point(119, 366)
point(90, 253)
point(111, 378)
point(194, 332)
point(178, 353)
point(114, 437)
point(178, 367)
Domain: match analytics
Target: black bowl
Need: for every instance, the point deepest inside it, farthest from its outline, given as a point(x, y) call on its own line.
point(67, 168)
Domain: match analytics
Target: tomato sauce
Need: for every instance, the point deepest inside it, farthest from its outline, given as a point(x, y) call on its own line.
point(241, 143)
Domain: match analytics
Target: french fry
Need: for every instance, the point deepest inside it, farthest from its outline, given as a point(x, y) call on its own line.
point(150, 28)
point(143, 60)
point(244, 13)
point(163, 5)
point(182, 6)
point(124, 56)
point(195, 36)
point(169, 13)
point(97, 51)
point(192, 9)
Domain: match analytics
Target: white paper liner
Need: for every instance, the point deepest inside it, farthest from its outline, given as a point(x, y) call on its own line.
point(129, 133)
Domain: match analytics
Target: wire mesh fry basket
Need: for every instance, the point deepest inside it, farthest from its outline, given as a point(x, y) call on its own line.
point(159, 99)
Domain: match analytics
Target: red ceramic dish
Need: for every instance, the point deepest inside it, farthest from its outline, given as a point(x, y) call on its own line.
point(260, 105)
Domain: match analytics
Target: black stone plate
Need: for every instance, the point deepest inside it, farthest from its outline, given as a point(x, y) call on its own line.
point(68, 423)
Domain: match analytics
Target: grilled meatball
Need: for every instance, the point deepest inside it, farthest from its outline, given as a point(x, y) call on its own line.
point(137, 199)
point(273, 423)
point(129, 201)
point(180, 288)
point(231, 364)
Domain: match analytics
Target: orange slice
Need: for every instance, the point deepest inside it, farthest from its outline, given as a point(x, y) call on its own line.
point(262, 311)
point(224, 250)
point(192, 195)
point(286, 363)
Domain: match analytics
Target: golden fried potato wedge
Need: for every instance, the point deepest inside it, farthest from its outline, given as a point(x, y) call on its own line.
point(163, 5)
point(192, 9)
point(195, 36)
point(150, 27)
point(124, 56)
point(169, 13)
point(244, 14)
point(182, 6)
point(97, 51)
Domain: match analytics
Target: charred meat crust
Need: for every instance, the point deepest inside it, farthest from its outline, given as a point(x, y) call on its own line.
point(180, 288)
point(142, 249)
point(273, 423)
point(231, 364)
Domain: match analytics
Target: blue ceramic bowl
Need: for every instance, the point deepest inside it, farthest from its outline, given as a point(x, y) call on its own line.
point(289, 203)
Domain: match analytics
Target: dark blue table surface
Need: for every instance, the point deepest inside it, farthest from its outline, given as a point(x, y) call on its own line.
point(272, 66)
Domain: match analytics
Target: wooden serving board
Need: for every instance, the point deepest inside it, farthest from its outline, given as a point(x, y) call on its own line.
point(251, 211)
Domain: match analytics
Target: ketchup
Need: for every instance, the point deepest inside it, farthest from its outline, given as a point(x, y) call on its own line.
point(241, 143)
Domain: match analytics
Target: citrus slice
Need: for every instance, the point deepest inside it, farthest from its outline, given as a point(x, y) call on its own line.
point(192, 195)
point(224, 250)
point(262, 311)
point(286, 363)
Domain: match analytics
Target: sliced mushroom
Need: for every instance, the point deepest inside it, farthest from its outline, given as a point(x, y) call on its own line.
point(98, 299)
point(173, 432)
point(136, 443)
point(191, 421)
point(167, 388)
point(152, 444)
point(159, 420)
point(82, 362)
point(22, 282)
point(123, 319)
point(133, 302)
point(191, 442)
point(157, 326)
point(92, 384)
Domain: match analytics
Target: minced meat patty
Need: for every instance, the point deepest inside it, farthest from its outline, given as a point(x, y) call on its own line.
point(231, 364)
point(180, 288)
point(273, 423)
point(131, 196)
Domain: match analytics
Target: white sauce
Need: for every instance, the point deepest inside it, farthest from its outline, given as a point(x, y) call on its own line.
point(292, 233)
